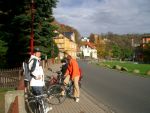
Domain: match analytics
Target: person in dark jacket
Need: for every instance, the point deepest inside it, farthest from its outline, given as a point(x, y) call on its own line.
point(64, 66)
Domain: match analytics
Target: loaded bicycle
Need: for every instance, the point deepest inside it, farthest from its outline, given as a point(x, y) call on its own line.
point(40, 103)
point(37, 104)
point(56, 96)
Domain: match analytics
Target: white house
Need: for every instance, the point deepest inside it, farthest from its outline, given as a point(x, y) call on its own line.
point(85, 39)
point(88, 49)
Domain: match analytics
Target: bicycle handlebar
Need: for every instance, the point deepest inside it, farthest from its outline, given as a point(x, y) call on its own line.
point(38, 96)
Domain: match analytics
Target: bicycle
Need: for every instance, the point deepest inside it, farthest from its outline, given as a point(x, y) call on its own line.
point(69, 87)
point(37, 104)
point(51, 95)
point(59, 86)
point(54, 88)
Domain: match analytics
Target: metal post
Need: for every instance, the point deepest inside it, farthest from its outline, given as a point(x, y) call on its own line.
point(32, 32)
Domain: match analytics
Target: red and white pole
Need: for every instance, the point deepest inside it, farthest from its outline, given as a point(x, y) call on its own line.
point(32, 28)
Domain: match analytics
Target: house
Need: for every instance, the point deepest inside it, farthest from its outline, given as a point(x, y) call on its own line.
point(69, 35)
point(145, 39)
point(139, 54)
point(66, 44)
point(85, 39)
point(88, 49)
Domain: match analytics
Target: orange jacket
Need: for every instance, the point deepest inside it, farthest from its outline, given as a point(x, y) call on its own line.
point(73, 69)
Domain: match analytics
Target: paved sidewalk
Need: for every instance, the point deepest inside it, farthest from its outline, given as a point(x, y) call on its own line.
point(87, 104)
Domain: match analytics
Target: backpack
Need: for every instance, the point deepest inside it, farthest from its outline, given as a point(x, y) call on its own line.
point(27, 73)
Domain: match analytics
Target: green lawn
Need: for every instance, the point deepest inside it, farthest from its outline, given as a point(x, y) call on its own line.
point(143, 68)
point(2, 98)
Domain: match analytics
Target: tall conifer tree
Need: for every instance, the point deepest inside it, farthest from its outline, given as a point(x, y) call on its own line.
point(15, 28)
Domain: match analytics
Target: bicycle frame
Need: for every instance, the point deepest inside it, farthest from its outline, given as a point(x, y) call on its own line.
point(69, 87)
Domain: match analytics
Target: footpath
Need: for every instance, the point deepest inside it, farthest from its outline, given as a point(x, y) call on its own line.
point(87, 104)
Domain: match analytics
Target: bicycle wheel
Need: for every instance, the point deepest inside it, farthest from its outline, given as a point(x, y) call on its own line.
point(55, 95)
point(40, 108)
point(33, 106)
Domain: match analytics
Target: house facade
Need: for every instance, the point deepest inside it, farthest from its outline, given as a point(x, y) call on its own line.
point(65, 44)
point(88, 50)
point(145, 40)
point(69, 35)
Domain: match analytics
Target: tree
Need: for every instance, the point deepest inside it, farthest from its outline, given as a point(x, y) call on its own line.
point(116, 51)
point(15, 27)
point(146, 53)
point(65, 28)
point(9, 31)
point(44, 31)
point(92, 38)
point(101, 49)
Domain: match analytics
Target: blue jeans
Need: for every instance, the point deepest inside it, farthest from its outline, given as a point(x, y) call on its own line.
point(37, 90)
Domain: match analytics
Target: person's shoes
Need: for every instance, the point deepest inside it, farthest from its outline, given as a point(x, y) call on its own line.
point(77, 99)
point(48, 109)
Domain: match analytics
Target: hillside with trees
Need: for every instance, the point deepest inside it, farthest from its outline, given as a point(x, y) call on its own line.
point(123, 46)
point(65, 28)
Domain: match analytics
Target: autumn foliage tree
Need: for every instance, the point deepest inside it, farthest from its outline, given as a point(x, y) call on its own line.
point(112, 45)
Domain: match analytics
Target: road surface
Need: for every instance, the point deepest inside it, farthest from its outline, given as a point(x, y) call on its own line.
point(121, 91)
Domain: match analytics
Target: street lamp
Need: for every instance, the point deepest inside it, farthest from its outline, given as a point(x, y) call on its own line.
point(32, 32)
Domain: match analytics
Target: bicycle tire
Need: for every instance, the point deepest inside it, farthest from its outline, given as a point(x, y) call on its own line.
point(35, 106)
point(40, 108)
point(55, 96)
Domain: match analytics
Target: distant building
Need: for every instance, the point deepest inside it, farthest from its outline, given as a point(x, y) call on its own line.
point(145, 39)
point(66, 44)
point(69, 35)
point(88, 49)
point(138, 48)
point(85, 39)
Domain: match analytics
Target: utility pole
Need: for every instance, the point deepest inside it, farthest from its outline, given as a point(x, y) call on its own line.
point(32, 28)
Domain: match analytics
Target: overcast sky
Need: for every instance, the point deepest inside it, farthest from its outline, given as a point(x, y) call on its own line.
point(102, 16)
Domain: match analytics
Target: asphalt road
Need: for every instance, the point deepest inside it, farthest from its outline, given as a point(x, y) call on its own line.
point(122, 92)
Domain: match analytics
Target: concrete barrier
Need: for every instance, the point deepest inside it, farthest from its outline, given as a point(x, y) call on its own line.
point(14, 107)
point(10, 98)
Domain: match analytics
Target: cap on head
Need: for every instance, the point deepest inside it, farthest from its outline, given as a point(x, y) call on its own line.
point(37, 50)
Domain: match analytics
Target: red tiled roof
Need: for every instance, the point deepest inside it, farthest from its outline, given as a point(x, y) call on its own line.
point(91, 45)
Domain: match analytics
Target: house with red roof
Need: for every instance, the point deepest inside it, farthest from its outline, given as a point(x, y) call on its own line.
point(88, 49)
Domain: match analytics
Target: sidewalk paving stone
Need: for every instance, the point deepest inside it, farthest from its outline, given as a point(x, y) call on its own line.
point(87, 103)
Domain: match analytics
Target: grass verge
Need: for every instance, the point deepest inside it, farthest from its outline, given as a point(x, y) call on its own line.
point(131, 66)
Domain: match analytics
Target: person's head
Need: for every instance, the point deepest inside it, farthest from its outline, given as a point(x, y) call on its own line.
point(69, 57)
point(37, 52)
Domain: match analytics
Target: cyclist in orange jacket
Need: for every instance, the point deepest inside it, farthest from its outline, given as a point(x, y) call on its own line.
point(73, 73)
